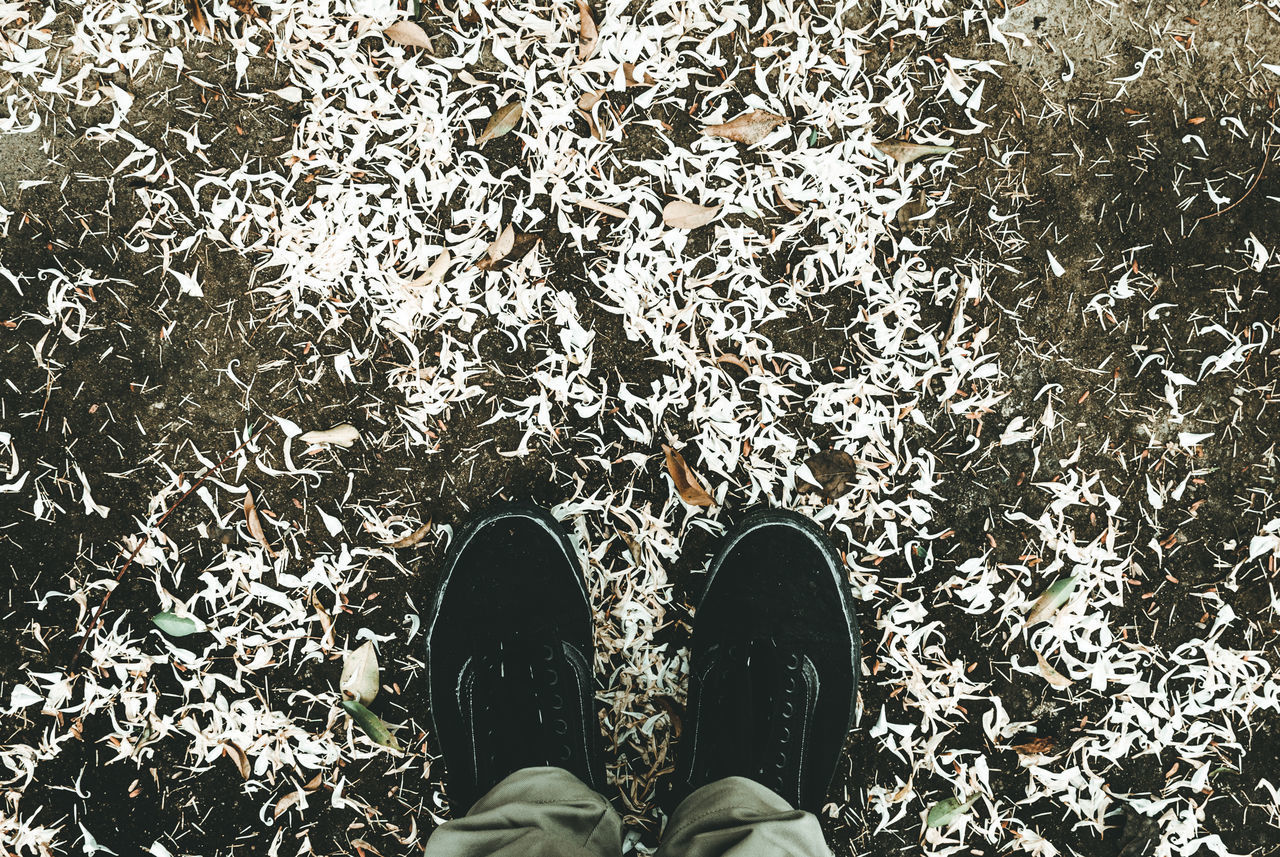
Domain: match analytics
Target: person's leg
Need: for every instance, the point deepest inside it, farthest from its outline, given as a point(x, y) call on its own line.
point(509, 672)
point(535, 812)
point(774, 672)
point(738, 817)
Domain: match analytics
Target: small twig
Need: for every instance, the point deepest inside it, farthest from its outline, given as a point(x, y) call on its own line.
point(146, 537)
point(1266, 156)
point(48, 391)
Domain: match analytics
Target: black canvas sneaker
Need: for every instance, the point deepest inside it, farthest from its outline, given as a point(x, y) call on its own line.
point(774, 662)
point(509, 656)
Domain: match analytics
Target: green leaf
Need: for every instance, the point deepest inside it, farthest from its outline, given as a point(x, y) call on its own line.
point(905, 153)
point(946, 811)
point(371, 724)
point(1058, 593)
point(174, 625)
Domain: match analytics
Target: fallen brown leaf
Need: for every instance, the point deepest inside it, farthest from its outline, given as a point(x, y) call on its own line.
point(629, 76)
point(588, 35)
point(508, 250)
point(686, 215)
point(673, 710)
point(586, 108)
point(599, 206)
point(199, 21)
point(503, 121)
point(409, 34)
point(233, 751)
point(904, 153)
point(413, 538)
point(1040, 746)
point(750, 128)
point(249, 9)
point(834, 470)
point(1055, 678)
point(685, 480)
point(734, 360)
point(282, 805)
point(502, 245)
point(255, 523)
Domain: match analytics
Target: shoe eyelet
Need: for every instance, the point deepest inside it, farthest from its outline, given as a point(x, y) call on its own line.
point(557, 701)
point(560, 727)
point(566, 753)
point(548, 653)
point(788, 709)
point(786, 733)
point(781, 761)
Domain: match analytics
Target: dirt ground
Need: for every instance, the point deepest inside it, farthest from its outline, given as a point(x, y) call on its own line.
point(1080, 180)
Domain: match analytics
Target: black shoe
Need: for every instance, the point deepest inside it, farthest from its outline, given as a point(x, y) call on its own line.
point(774, 662)
point(510, 655)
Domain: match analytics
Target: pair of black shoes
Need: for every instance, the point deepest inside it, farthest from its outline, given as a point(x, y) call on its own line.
point(774, 659)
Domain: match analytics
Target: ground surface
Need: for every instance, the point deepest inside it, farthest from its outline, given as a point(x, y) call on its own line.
point(1051, 353)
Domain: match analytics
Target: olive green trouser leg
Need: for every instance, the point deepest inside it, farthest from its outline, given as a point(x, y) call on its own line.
point(737, 817)
point(535, 812)
point(548, 812)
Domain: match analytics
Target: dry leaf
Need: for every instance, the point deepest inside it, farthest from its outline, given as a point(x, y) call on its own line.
point(233, 751)
point(749, 128)
point(326, 623)
point(786, 203)
point(685, 215)
point(413, 538)
point(629, 76)
point(521, 243)
point(255, 523)
point(1051, 675)
point(734, 360)
point(832, 471)
point(282, 805)
point(199, 21)
point(249, 9)
point(502, 245)
point(586, 105)
point(673, 709)
point(685, 480)
point(905, 153)
point(600, 207)
point(408, 33)
point(314, 783)
point(344, 435)
point(502, 122)
point(588, 35)
point(359, 680)
point(1039, 746)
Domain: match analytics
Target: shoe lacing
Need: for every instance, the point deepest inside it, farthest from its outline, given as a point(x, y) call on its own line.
point(520, 697)
point(757, 697)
